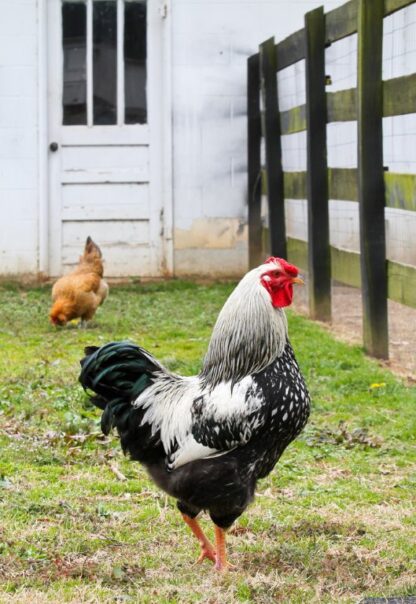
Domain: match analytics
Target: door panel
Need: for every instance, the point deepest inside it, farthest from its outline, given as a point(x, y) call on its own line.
point(102, 201)
point(131, 246)
point(106, 163)
point(138, 135)
point(104, 111)
point(75, 233)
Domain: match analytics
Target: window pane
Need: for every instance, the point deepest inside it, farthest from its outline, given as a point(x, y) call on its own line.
point(135, 62)
point(105, 62)
point(74, 30)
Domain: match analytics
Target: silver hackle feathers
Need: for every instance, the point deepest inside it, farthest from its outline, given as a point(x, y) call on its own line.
point(248, 335)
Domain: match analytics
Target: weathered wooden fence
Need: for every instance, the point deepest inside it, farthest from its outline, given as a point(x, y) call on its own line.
point(370, 184)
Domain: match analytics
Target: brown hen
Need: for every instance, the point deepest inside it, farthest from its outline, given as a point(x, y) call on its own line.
point(80, 293)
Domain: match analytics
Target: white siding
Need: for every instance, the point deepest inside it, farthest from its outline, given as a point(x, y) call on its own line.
point(18, 137)
point(211, 44)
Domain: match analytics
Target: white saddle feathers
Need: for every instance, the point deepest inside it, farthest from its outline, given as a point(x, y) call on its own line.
point(168, 408)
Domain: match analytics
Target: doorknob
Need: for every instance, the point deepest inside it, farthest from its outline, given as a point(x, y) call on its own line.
point(53, 147)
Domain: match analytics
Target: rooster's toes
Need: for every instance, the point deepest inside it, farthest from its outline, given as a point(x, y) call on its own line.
point(208, 554)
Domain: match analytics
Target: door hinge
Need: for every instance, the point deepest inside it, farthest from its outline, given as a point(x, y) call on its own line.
point(163, 10)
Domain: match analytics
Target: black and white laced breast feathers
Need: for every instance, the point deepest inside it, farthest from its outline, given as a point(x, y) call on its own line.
point(275, 400)
point(282, 383)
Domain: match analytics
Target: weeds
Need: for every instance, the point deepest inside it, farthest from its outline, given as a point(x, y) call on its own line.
point(334, 522)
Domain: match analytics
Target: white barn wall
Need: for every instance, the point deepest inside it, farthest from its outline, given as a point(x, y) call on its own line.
point(18, 137)
point(211, 44)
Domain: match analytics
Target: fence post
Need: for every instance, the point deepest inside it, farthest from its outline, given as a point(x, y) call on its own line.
point(255, 248)
point(274, 177)
point(371, 193)
point(319, 253)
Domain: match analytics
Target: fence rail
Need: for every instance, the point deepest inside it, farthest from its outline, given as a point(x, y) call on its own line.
point(399, 98)
point(371, 184)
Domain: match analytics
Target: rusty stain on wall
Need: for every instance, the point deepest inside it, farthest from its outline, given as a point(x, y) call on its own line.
point(212, 233)
point(212, 247)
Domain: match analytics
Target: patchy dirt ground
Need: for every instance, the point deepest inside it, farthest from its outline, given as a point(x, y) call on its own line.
point(347, 325)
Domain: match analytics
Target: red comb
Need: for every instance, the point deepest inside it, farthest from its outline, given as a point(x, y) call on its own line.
point(288, 268)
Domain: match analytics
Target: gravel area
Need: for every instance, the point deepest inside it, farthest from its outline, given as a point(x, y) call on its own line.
point(347, 325)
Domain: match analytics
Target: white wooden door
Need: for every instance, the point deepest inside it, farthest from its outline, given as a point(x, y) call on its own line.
point(107, 131)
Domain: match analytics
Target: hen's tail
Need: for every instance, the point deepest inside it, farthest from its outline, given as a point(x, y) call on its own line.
point(117, 373)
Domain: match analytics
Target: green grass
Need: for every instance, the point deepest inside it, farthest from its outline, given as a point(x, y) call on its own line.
point(334, 522)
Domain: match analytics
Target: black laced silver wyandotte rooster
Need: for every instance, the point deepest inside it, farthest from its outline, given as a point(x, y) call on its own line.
point(207, 439)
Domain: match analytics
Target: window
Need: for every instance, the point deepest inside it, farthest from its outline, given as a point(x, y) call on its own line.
point(74, 40)
point(135, 63)
point(105, 52)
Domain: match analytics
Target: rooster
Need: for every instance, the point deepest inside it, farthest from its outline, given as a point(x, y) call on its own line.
point(207, 439)
point(80, 293)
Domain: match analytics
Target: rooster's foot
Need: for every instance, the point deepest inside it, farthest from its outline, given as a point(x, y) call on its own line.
point(224, 566)
point(206, 553)
point(221, 562)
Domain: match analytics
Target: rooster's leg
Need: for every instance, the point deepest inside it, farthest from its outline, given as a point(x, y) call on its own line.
point(221, 562)
point(207, 550)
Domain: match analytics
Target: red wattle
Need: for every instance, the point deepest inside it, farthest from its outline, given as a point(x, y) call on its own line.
point(282, 296)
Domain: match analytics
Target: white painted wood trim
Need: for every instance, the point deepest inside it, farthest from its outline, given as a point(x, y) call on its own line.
point(138, 134)
point(155, 110)
point(43, 196)
point(168, 140)
point(159, 103)
point(120, 62)
point(55, 74)
point(90, 83)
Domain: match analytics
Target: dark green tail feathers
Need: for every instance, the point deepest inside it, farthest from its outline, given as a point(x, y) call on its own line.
point(117, 373)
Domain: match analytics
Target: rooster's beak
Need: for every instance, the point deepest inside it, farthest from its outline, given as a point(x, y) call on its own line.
point(298, 280)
